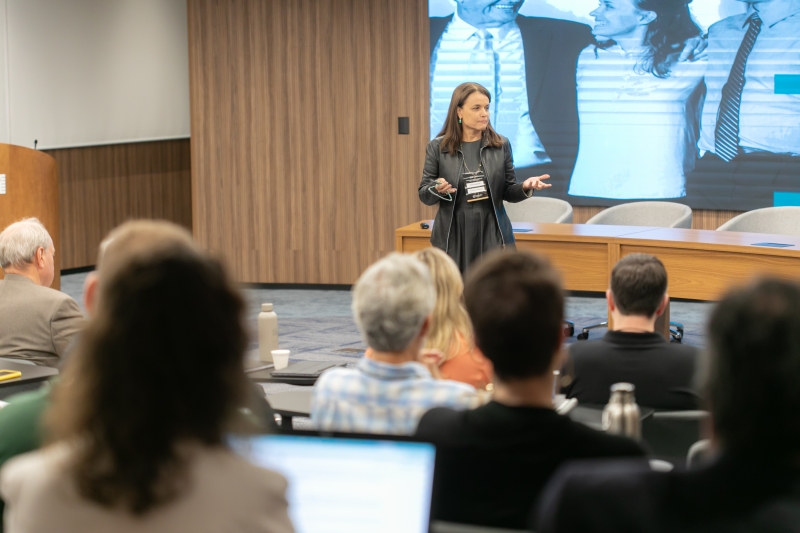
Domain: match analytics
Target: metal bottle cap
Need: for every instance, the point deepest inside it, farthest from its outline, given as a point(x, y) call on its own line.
point(623, 387)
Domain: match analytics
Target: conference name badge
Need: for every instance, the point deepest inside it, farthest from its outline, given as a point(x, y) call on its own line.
point(476, 186)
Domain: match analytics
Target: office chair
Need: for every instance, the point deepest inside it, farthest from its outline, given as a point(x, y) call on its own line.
point(776, 220)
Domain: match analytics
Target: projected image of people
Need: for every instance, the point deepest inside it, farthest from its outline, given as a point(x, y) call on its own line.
point(638, 105)
point(743, 112)
point(750, 124)
point(528, 66)
point(696, 101)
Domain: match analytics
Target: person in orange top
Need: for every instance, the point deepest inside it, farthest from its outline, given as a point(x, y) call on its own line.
point(451, 329)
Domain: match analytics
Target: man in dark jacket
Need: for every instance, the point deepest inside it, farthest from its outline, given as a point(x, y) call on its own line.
point(547, 62)
point(632, 351)
point(493, 461)
point(754, 483)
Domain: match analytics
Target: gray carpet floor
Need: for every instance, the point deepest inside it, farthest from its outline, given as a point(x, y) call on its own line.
point(317, 325)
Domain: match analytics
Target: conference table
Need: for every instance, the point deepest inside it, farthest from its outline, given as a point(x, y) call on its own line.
point(701, 264)
point(290, 404)
point(31, 378)
point(297, 403)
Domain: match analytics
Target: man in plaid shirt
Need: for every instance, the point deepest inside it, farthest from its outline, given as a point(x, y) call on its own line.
point(390, 388)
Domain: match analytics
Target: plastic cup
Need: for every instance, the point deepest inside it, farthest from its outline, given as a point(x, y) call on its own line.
point(280, 358)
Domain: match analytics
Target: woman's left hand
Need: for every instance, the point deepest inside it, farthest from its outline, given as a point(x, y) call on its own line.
point(536, 183)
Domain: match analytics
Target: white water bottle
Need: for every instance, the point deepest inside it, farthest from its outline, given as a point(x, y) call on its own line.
point(267, 333)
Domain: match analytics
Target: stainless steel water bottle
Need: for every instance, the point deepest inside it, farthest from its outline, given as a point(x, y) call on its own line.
point(621, 415)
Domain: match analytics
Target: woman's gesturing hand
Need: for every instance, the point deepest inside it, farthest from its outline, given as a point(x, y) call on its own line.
point(443, 186)
point(536, 183)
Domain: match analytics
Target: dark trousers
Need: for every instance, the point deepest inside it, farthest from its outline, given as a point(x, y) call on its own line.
point(747, 182)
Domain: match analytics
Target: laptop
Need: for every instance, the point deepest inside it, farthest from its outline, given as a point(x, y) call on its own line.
point(300, 373)
point(349, 484)
point(305, 369)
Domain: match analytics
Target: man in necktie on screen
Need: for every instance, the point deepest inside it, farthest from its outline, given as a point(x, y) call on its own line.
point(749, 119)
point(527, 64)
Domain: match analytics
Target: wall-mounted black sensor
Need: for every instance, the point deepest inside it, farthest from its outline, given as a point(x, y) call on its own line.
point(402, 125)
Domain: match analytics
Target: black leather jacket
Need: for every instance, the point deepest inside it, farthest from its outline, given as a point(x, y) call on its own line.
point(498, 165)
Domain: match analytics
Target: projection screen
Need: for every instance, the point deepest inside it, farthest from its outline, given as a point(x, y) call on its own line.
point(634, 99)
point(91, 72)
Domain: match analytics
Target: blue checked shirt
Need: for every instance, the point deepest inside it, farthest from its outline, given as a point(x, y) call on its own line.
point(383, 398)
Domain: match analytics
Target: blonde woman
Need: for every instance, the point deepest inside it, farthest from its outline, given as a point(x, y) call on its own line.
point(451, 329)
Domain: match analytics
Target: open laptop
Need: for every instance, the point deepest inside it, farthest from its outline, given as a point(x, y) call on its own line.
point(349, 484)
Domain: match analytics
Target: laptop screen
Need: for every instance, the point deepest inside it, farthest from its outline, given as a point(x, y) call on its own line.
point(349, 485)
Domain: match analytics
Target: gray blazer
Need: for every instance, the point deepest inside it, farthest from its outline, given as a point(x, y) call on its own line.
point(498, 164)
point(36, 323)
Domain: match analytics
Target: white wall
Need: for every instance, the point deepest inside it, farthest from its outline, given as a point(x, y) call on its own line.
point(88, 72)
point(5, 123)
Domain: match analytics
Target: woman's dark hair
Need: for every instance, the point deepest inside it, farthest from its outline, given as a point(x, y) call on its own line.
point(666, 35)
point(159, 366)
point(451, 130)
point(754, 378)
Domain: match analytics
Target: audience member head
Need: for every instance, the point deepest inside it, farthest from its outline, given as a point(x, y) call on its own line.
point(638, 287)
point(26, 249)
point(392, 303)
point(754, 379)
point(135, 238)
point(158, 368)
point(449, 318)
point(516, 305)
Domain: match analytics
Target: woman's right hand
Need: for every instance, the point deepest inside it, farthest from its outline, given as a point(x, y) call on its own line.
point(443, 186)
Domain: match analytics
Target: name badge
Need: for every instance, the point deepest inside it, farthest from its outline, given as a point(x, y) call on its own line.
point(475, 185)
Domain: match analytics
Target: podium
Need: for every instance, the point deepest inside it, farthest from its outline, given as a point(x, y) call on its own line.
point(31, 190)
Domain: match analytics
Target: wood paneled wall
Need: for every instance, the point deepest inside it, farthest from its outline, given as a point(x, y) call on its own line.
point(298, 172)
point(102, 186)
point(701, 218)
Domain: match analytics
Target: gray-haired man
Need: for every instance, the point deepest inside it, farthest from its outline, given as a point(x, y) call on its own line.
point(390, 388)
point(37, 323)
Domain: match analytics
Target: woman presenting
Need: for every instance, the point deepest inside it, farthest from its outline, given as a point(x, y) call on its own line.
point(469, 171)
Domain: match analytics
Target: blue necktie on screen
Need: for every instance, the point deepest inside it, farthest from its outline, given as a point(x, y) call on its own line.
point(727, 131)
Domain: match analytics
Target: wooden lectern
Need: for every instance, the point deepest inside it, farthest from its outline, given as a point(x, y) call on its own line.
point(31, 190)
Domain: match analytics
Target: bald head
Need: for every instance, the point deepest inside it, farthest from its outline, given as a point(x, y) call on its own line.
point(141, 239)
point(138, 240)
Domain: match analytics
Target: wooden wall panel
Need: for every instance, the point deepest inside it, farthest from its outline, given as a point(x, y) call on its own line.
point(102, 186)
point(701, 218)
point(31, 191)
point(298, 172)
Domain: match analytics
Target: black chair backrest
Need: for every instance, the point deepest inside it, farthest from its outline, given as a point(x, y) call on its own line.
point(669, 435)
